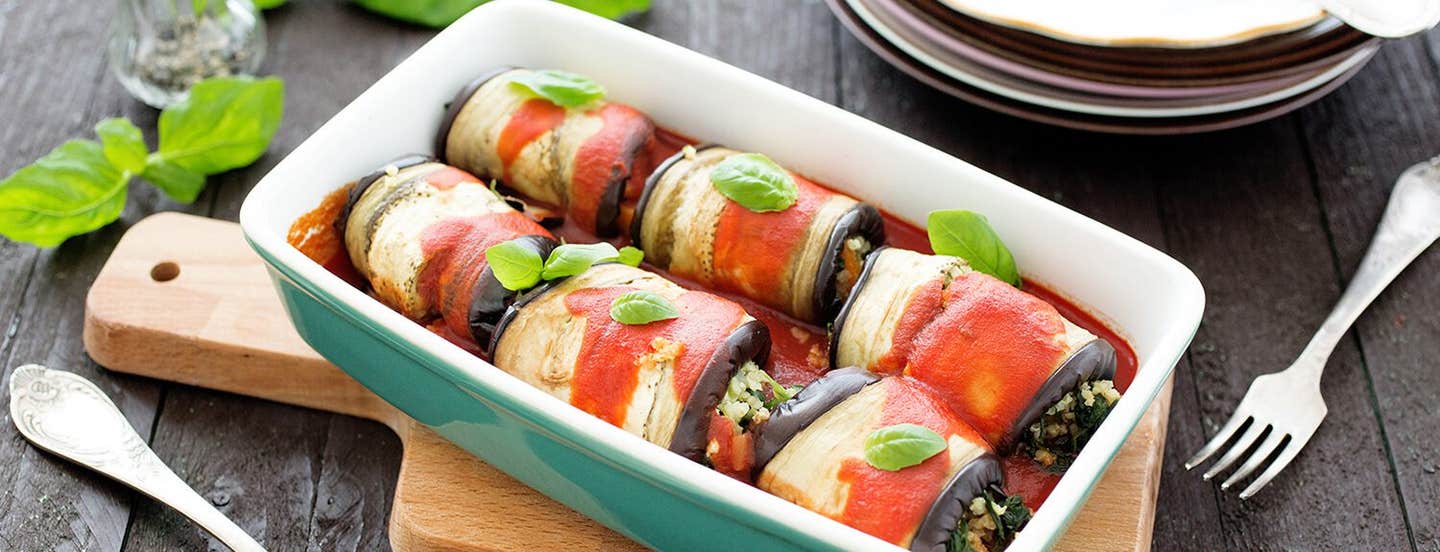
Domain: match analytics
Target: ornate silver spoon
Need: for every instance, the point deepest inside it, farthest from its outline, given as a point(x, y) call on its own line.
point(67, 415)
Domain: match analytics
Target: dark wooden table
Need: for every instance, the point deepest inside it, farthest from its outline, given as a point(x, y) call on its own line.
point(1273, 218)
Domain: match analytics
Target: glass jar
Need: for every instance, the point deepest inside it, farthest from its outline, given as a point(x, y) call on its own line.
point(160, 48)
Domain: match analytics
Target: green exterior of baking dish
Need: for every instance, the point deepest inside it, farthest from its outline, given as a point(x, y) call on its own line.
point(547, 458)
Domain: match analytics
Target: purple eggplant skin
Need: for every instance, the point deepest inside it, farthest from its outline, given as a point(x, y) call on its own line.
point(1095, 360)
point(750, 342)
point(364, 183)
point(490, 301)
point(638, 220)
point(838, 325)
point(452, 109)
point(608, 211)
point(793, 416)
point(945, 513)
point(513, 310)
point(862, 220)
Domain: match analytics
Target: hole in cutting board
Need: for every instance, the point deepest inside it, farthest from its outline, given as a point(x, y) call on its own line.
point(164, 271)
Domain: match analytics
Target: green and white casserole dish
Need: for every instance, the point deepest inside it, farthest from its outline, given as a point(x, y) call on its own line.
point(639, 489)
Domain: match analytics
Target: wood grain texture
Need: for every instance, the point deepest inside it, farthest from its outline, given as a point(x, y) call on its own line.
point(201, 328)
point(1296, 197)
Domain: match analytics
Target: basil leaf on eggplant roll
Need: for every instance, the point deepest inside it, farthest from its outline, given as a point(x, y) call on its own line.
point(802, 260)
point(816, 451)
point(662, 380)
point(580, 158)
point(417, 230)
point(1007, 362)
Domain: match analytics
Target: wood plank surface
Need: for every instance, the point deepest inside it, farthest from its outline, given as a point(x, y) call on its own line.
point(1273, 218)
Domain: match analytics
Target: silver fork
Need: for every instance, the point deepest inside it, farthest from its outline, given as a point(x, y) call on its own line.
point(1282, 410)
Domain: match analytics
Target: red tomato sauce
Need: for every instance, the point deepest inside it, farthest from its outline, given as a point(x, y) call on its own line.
point(753, 250)
point(602, 158)
point(799, 351)
point(528, 122)
point(606, 371)
point(891, 504)
point(988, 351)
point(455, 253)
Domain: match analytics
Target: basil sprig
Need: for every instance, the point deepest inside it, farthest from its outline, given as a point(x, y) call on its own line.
point(439, 13)
point(518, 267)
point(896, 447)
point(224, 124)
point(968, 235)
point(641, 307)
point(560, 87)
point(755, 182)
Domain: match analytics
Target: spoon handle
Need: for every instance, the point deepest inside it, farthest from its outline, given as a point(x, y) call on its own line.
point(1410, 224)
point(68, 416)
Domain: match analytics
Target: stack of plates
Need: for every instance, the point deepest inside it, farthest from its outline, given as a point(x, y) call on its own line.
point(1125, 66)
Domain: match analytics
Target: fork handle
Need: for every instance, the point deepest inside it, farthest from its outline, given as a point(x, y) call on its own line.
point(1410, 224)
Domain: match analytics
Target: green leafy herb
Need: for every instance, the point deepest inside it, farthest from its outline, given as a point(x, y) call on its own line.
point(631, 256)
point(641, 307)
point(561, 88)
point(268, 4)
point(80, 186)
point(516, 266)
point(896, 447)
point(182, 185)
point(70, 191)
point(124, 144)
point(755, 182)
point(439, 13)
point(968, 235)
point(571, 259)
point(224, 123)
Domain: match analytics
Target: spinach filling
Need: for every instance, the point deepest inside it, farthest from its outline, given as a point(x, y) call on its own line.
point(751, 395)
point(989, 524)
point(1057, 437)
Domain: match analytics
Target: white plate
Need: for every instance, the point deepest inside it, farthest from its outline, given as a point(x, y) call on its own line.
point(1151, 299)
point(1158, 23)
point(1076, 106)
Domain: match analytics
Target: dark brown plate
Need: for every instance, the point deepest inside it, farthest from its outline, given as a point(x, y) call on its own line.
point(1322, 44)
point(1118, 125)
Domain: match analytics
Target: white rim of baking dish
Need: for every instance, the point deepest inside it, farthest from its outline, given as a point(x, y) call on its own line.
point(266, 229)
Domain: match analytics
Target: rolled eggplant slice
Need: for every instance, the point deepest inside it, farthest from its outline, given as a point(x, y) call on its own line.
point(662, 381)
point(802, 260)
point(579, 158)
point(417, 230)
point(822, 466)
point(999, 357)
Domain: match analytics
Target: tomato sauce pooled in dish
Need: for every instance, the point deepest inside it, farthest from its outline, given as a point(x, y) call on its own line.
point(606, 371)
point(799, 351)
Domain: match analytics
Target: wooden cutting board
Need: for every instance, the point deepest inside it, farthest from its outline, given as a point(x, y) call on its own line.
point(184, 299)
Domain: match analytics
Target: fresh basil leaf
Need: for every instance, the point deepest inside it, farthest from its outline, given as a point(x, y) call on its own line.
point(896, 447)
point(516, 267)
point(72, 190)
point(431, 13)
point(123, 144)
point(612, 9)
point(572, 258)
point(560, 87)
point(224, 123)
point(641, 307)
point(268, 4)
point(631, 256)
point(968, 235)
point(755, 182)
point(180, 184)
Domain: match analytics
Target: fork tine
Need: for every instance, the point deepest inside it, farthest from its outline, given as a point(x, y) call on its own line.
point(1267, 447)
point(1241, 445)
point(1215, 442)
point(1292, 449)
